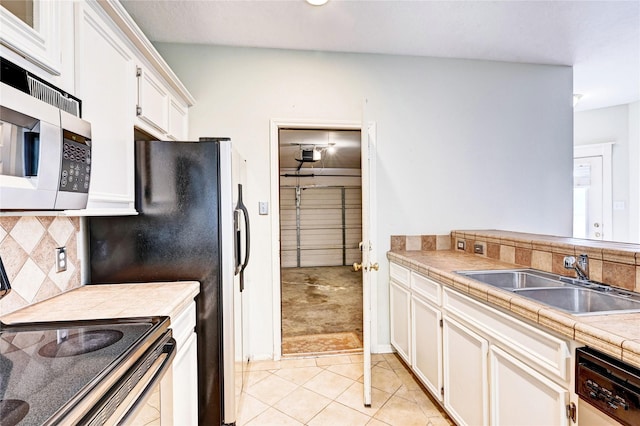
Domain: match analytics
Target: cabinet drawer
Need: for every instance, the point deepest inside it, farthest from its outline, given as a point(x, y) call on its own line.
point(426, 288)
point(545, 351)
point(184, 324)
point(399, 274)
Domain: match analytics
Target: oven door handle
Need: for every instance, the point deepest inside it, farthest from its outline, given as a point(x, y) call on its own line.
point(160, 366)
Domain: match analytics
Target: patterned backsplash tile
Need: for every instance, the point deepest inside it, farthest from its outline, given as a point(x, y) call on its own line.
point(27, 248)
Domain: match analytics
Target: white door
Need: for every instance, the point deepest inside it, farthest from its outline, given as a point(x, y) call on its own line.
point(369, 261)
point(588, 198)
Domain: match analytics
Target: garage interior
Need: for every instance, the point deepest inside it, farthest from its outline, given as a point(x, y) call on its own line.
point(320, 229)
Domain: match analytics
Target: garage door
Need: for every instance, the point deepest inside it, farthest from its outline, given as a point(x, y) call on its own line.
point(320, 226)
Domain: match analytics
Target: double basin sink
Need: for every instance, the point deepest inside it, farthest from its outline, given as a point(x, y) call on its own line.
point(577, 297)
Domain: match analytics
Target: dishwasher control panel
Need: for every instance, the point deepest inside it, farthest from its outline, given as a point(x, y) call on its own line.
point(608, 384)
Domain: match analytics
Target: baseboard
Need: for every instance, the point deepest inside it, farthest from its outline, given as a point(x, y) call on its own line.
point(382, 349)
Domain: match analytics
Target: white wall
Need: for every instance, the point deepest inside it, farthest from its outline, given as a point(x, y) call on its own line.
point(618, 124)
point(461, 144)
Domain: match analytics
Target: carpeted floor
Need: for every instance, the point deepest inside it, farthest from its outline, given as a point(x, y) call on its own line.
point(321, 310)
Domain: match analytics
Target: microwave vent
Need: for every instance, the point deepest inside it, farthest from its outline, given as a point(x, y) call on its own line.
point(53, 96)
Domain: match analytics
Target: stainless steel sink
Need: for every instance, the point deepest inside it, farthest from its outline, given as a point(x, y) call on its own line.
point(515, 278)
point(577, 300)
point(574, 296)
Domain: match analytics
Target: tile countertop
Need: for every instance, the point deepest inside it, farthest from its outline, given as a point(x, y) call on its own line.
point(617, 335)
point(110, 301)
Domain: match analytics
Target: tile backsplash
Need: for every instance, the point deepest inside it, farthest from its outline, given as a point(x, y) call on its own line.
point(27, 248)
point(617, 264)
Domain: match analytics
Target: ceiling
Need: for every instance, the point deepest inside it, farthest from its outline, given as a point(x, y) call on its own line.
point(600, 39)
point(345, 143)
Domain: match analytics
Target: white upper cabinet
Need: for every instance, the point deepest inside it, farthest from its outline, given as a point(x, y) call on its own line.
point(160, 113)
point(92, 49)
point(32, 29)
point(178, 120)
point(153, 101)
point(37, 35)
point(107, 86)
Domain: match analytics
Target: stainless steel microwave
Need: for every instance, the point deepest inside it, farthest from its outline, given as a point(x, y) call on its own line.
point(45, 154)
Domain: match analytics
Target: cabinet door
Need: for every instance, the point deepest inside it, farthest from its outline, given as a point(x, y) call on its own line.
point(177, 121)
point(400, 300)
point(185, 383)
point(153, 101)
point(465, 374)
point(426, 344)
point(522, 396)
point(106, 84)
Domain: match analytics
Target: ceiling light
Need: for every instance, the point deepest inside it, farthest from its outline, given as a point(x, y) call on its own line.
point(317, 2)
point(576, 99)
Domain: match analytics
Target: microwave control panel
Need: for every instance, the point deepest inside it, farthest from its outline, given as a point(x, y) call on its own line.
point(76, 166)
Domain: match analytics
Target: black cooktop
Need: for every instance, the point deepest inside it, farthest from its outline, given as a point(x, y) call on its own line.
point(47, 368)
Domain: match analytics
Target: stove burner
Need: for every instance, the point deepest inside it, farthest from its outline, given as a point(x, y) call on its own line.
point(80, 343)
point(12, 411)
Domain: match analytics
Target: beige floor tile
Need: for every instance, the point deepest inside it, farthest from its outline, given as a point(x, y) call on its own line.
point(248, 408)
point(328, 384)
point(376, 422)
point(385, 380)
point(264, 365)
point(353, 397)
point(299, 376)
point(408, 380)
point(356, 358)
point(332, 360)
point(299, 362)
point(425, 403)
point(302, 404)
point(273, 417)
point(253, 377)
point(351, 371)
point(337, 414)
point(382, 364)
point(377, 357)
point(398, 411)
point(439, 421)
point(271, 389)
point(393, 361)
point(300, 392)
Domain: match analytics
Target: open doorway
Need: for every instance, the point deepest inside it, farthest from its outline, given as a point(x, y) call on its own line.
point(320, 231)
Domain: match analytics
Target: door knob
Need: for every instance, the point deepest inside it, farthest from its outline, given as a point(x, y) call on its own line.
point(375, 266)
point(357, 266)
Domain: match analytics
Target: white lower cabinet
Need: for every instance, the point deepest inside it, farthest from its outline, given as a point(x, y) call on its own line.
point(426, 344)
point(400, 300)
point(185, 368)
point(466, 374)
point(185, 384)
point(485, 366)
point(522, 396)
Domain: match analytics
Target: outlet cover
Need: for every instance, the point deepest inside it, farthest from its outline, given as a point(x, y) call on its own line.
point(61, 259)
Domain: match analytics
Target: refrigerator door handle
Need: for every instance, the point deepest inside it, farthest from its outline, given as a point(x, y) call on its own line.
point(241, 265)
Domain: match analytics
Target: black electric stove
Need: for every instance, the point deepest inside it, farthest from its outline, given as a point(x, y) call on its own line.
point(60, 372)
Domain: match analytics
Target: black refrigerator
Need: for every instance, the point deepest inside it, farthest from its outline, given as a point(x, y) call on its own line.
point(185, 230)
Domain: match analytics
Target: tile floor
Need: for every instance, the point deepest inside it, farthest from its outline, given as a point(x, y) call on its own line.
point(327, 390)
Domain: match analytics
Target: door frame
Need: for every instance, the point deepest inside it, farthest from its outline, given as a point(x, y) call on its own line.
point(275, 126)
point(603, 150)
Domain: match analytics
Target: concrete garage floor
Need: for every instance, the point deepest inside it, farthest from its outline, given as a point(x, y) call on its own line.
point(321, 310)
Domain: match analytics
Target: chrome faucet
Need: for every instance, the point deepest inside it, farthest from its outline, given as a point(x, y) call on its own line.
point(581, 266)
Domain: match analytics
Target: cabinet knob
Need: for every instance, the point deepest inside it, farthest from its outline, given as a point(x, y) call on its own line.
point(357, 266)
